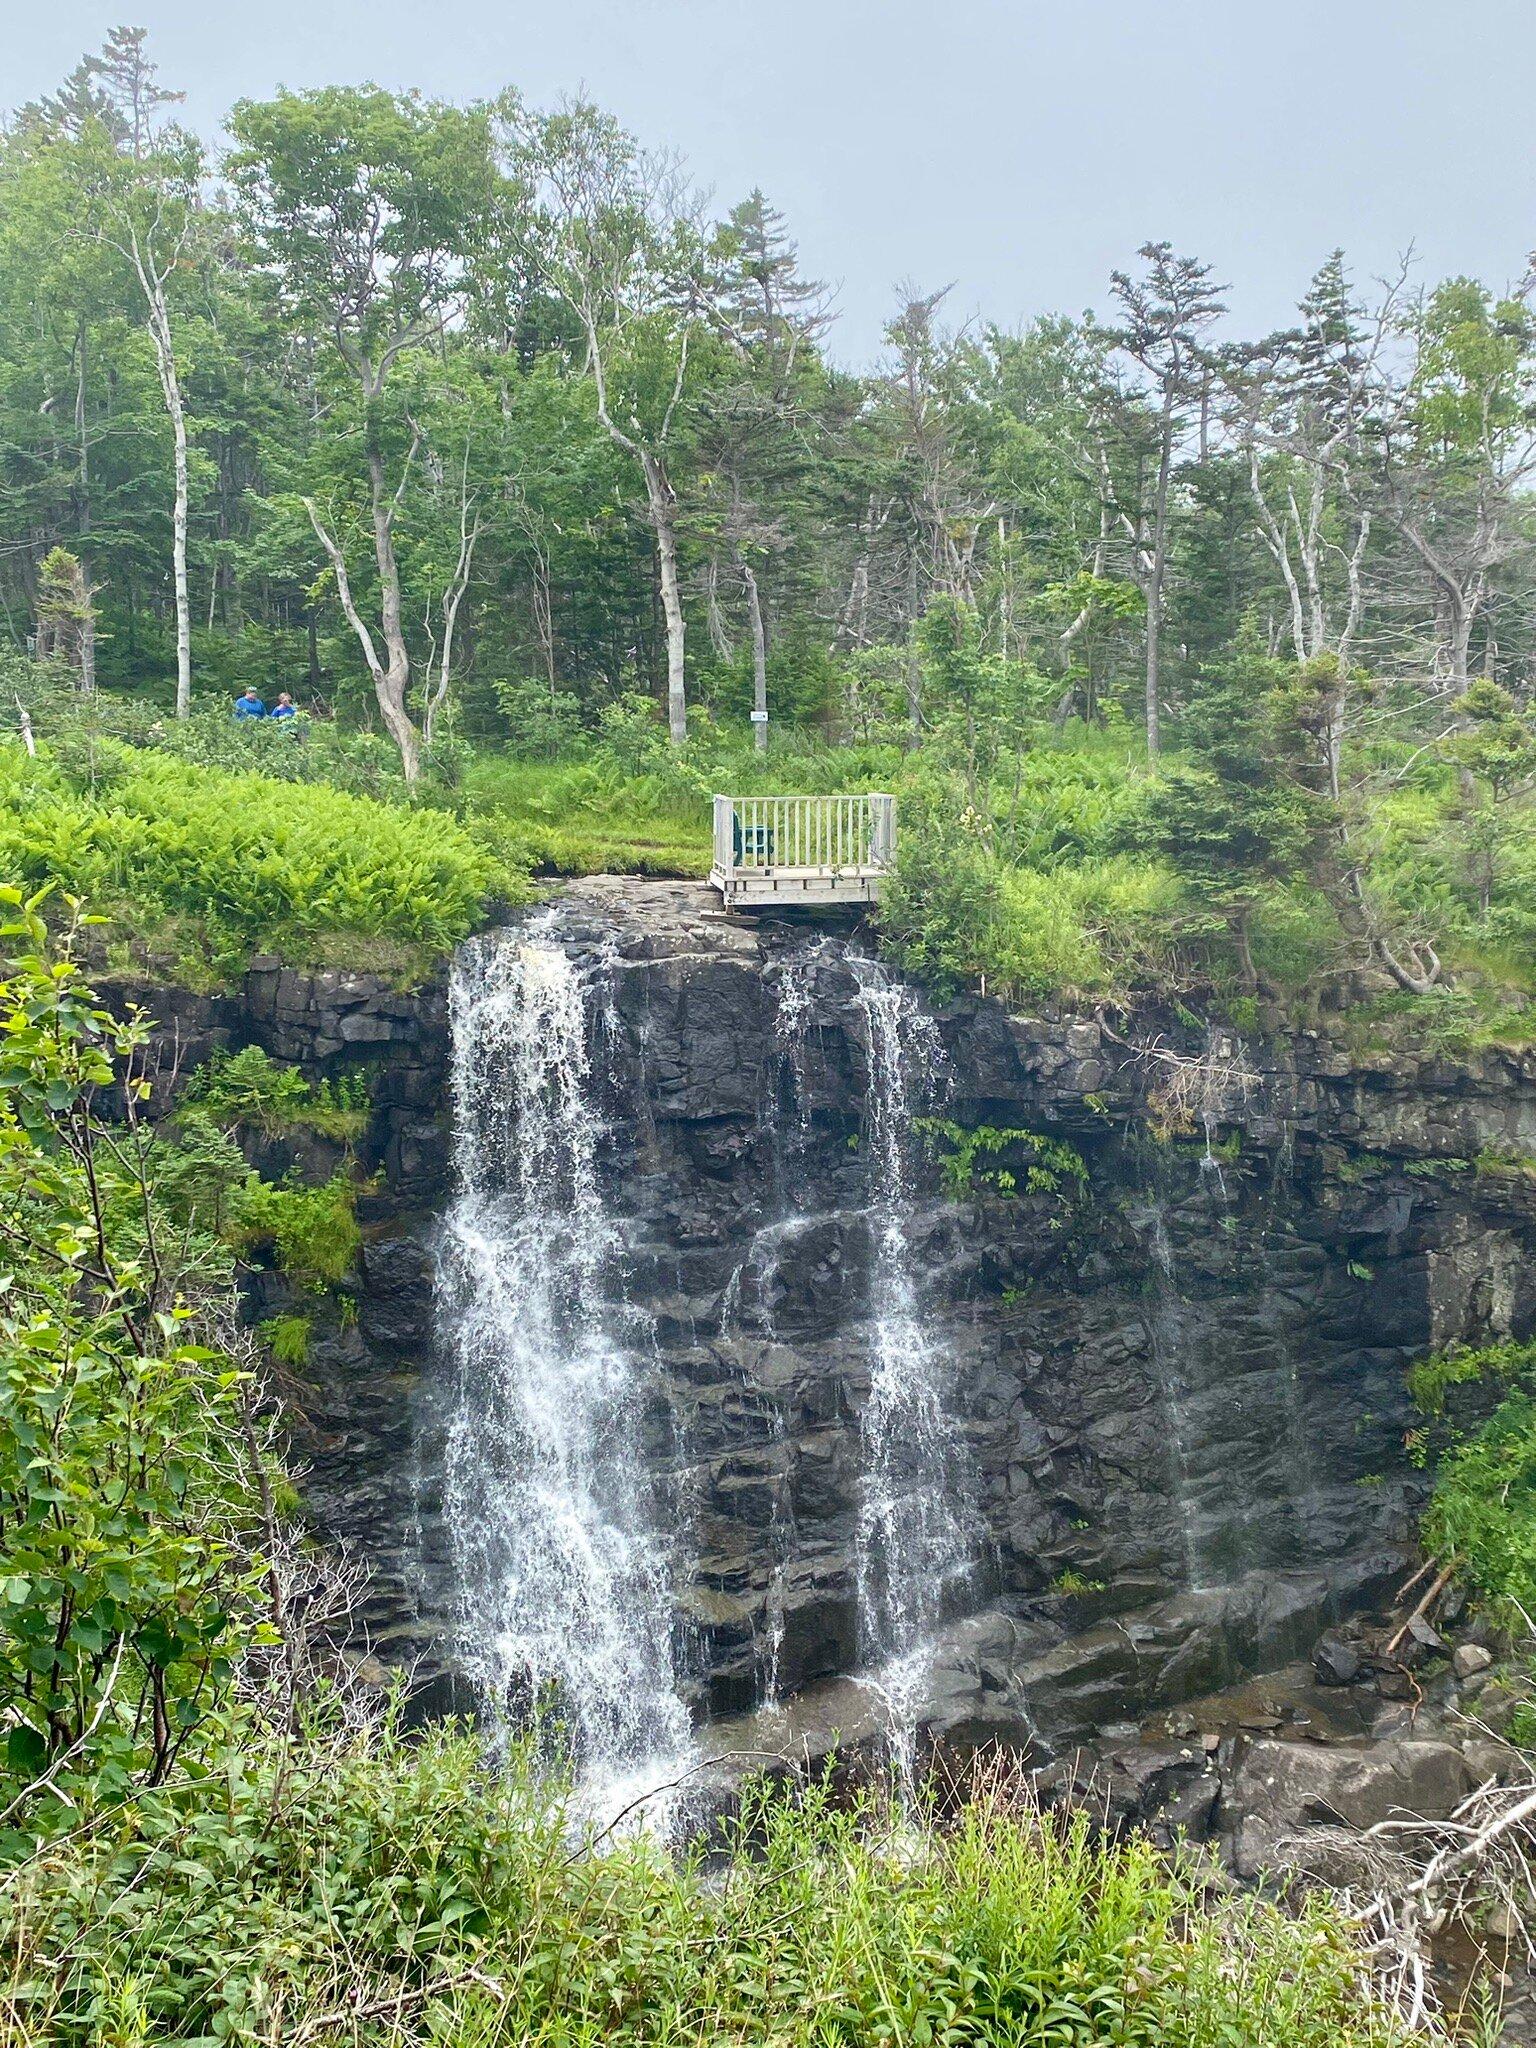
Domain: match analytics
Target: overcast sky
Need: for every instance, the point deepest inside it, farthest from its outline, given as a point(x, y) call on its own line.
point(1018, 149)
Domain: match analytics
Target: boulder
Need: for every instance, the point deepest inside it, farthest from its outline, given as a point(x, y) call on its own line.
point(1335, 1659)
point(1280, 1789)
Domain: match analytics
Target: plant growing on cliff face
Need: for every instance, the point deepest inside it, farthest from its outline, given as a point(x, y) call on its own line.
point(1047, 1166)
point(287, 1338)
point(1075, 1585)
point(1481, 1518)
point(312, 1231)
point(1464, 1365)
point(248, 1090)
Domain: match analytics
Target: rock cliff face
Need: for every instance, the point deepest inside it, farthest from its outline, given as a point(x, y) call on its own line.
point(1176, 1374)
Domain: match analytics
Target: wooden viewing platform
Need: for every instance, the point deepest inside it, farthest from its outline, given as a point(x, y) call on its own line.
point(805, 850)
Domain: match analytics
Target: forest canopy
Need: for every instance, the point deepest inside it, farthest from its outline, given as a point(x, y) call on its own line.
point(494, 442)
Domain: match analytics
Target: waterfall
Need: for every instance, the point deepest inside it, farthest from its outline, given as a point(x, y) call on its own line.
point(918, 1529)
point(1168, 1346)
point(561, 1575)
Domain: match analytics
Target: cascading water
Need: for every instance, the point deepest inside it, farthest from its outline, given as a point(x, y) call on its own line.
point(918, 1529)
point(1168, 1345)
point(562, 1580)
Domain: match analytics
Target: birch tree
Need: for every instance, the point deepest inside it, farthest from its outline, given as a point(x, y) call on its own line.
point(150, 220)
point(619, 240)
point(1453, 453)
point(146, 196)
point(369, 208)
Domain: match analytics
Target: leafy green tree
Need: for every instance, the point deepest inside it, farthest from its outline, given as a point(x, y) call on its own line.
point(981, 707)
point(1230, 819)
point(618, 239)
point(759, 419)
point(1165, 315)
point(370, 207)
point(1496, 752)
point(126, 1488)
point(1452, 452)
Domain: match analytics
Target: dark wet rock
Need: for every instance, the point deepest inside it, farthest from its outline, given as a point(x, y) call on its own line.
point(1280, 1789)
point(1336, 1659)
point(1180, 1387)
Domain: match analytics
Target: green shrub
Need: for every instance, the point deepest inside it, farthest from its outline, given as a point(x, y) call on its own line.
point(312, 1231)
point(1482, 1515)
point(1043, 1164)
point(305, 749)
point(956, 911)
point(287, 1338)
point(125, 1481)
point(249, 1090)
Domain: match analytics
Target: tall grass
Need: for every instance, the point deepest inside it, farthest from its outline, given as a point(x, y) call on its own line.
point(648, 811)
point(382, 1893)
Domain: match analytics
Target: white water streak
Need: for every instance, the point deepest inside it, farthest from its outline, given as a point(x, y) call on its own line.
point(562, 1577)
point(918, 1528)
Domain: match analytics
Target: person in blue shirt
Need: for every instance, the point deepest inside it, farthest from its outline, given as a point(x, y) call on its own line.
point(249, 705)
point(284, 707)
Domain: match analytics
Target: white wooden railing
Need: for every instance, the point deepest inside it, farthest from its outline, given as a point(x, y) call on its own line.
point(819, 835)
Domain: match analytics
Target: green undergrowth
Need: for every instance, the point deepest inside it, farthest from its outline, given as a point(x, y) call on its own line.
point(196, 869)
point(250, 1089)
point(418, 1898)
point(1481, 1436)
point(1058, 868)
point(630, 805)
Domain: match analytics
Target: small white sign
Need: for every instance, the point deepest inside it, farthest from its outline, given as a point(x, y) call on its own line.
point(759, 718)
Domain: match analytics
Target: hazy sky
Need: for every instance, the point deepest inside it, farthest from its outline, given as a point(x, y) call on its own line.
point(1017, 148)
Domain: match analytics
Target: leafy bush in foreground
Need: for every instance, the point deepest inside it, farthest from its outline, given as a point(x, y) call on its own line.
point(125, 1446)
point(416, 1897)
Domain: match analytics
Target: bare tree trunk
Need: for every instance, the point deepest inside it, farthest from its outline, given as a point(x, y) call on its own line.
point(1155, 583)
point(392, 682)
point(170, 385)
point(88, 618)
point(759, 656)
point(544, 621)
point(391, 678)
point(663, 507)
point(1100, 548)
point(719, 636)
point(436, 692)
point(1461, 618)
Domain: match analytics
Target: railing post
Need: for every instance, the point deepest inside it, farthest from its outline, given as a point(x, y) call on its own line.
point(882, 830)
